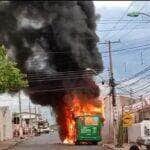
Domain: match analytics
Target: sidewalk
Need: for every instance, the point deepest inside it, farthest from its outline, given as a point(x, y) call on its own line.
point(5, 145)
point(112, 147)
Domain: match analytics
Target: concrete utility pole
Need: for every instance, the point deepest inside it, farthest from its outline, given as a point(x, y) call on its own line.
point(20, 116)
point(112, 93)
point(131, 100)
point(111, 81)
point(29, 113)
point(35, 115)
point(142, 116)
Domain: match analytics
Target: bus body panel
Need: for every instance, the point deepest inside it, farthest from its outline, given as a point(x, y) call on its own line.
point(88, 128)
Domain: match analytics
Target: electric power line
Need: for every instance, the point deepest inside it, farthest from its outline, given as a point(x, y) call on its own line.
point(127, 49)
point(106, 30)
point(137, 74)
point(135, 82)
point(120, 19)
point(141, 89)
point(102, 52)
point(131, 30)
point(126, 24)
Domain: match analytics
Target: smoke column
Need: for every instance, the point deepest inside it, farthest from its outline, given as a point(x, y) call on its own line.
point(53, 42)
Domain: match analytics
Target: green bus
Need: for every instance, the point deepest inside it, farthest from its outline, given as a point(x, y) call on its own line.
point(88, 129)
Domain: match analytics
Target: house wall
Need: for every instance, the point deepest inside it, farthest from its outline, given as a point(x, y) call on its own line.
point(108, 130)
point(5, 123)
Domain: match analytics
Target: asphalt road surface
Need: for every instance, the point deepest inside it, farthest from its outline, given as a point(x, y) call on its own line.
point(51, 142)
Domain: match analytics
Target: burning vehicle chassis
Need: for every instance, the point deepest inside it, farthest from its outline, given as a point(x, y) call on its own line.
point(83, 118)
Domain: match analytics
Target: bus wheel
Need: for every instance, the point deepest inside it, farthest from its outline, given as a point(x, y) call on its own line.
point(77, 143)
point(148, 147)
point(94, 143)
point(134, 147)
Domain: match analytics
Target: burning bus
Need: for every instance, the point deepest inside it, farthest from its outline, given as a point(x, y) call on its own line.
point(84, 121)
point(88, 129)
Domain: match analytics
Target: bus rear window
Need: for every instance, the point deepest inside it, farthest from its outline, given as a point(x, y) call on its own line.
point(91, 120)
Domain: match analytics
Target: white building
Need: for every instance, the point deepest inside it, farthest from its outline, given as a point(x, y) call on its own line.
point(5, 123)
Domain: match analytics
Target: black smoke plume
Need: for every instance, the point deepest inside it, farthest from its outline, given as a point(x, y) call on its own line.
point(53, 42)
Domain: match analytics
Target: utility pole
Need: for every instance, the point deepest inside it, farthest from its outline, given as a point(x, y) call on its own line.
point(29, 113)
point(112, 93)
point(141, 97)
point(131, 100)
point(110, 113)
point(111, 80)
point(20, 116)
point(35, 115)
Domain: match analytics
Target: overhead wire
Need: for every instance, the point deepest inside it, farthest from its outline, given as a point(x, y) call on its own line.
point(119, 19)
point(66, 52)
point(137, 74)
point(127, 92)
point(145, 93)
point(135, 82)
point(134, 27)
point(131, 30)
point(140, 28)
point(137, 39)
point(126, 49)
point(58, 89)
point(72, 72)
point(122, 21)
point(136, 49)
point(141, 89)
point(126, 23)
point(56, 79)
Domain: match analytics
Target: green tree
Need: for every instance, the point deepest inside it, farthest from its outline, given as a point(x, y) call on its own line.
point(11, 78)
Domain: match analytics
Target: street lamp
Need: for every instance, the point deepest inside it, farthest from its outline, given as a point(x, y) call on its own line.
point(136, 14)
point(90, 69)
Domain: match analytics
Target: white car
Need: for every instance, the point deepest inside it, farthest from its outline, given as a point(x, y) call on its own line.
point(45, 130)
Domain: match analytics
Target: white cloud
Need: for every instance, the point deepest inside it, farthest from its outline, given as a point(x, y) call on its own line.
point(99, 4)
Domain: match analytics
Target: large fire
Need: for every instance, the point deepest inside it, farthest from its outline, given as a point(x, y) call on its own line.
point(78, 107)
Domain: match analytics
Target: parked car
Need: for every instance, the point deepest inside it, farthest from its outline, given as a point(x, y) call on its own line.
point(139, 134)
point(51, 130)
point(45, 130)
point(43, 126)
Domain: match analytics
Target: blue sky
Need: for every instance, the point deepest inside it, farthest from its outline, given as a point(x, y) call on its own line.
point(134, 33)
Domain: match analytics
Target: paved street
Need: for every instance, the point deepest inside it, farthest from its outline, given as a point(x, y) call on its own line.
point(51, 142)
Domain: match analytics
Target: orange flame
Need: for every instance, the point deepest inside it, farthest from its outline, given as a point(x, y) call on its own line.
point(80, 108)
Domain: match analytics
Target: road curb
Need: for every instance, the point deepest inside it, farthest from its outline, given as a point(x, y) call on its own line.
point(109, 147)
point(13, 145)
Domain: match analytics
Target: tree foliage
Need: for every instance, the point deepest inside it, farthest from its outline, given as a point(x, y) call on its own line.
point(11, 78)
